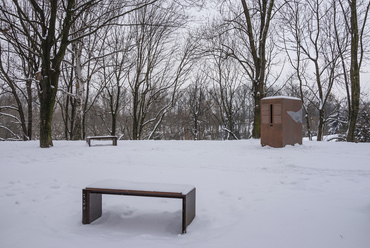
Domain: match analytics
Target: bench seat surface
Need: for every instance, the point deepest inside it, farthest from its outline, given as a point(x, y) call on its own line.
point(182, 189)
point(101, 137)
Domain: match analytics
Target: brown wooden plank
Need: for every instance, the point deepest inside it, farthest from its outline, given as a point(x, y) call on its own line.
point(134, 192)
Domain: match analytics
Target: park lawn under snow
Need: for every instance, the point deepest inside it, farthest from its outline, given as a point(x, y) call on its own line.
point(312, 195)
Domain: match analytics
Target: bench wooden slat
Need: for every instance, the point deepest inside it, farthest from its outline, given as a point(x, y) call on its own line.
point(139, 186)
point(101, 137)
point(134, 192)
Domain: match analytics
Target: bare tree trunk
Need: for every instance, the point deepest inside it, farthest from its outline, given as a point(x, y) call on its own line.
point(47, 94)
point(307, 117)
point(51, 56)
point(320, 127)
point(354, 73)
point(198, 106)
point(257, 45)
point(357, 32)
point(29, 108)
point(114, 107)
point(80, 86)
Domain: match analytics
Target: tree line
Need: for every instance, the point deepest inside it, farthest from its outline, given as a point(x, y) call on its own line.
point(146, 70)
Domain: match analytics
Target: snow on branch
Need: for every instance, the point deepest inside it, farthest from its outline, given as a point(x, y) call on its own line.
point(10, 131)
point(67, 93)
point(11, 116)
point(8, 107)
point(229, 132)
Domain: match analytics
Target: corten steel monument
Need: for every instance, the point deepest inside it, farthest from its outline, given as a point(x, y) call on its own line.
point(281, 121)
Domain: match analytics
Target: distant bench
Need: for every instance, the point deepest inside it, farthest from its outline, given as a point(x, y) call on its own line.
point(92, 197)
point(113, 138)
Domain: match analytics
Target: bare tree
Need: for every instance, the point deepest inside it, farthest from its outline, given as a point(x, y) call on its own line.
point(252, 28)
point(291, 28)
point(161, 64)
point(51, 22)
point(198, 103)
point(309, 37)
point(17, 75)
point(116, 65)
point(227, 80)
point(355, 16)
point(80, 84)
point(18, 66)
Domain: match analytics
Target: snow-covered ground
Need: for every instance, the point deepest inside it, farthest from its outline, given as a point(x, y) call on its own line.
point(314, 195)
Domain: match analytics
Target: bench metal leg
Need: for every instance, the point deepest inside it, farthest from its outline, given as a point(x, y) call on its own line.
point(91, 206)
point(188, 209)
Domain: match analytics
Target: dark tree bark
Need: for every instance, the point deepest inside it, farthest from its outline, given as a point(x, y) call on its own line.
point(356, 24)
point(354, 72)
point(29, 109)
point(52, 55)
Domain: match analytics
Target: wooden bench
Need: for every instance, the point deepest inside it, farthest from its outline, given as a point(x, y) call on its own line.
point(113, 138)
point(92, 197)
